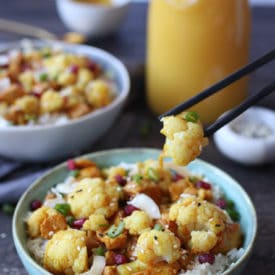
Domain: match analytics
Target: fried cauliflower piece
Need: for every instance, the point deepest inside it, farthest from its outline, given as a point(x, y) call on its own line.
point(184, 139)
point(95, 222)
point(137, 222)
point(199, 223)
point(27, 80)
point(28, 104)
point(94, 196)
point(155, 246)
point(98, 94)
point(118, 242)
point(66, 252)
point(83, 78)
point(51, 101)
point(44, 222)
point(115, 171)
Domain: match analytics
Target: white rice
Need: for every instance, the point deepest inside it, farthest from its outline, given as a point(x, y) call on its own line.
point(46, 119)
point(37, 248)
point(222, 262)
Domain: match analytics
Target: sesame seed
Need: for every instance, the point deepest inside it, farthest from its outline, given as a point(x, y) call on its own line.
point(50, 233)
point(129, 268)
point(78, 248)
point(175, 246)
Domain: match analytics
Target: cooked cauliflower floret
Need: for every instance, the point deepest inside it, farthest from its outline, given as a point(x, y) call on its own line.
point(199, 222)
point(66, 78)
point(115, 171)
point(27, 80)
point(83, 78)
point(95, 222)
point(44, 222)
point(98, 94)
point(154, 246)
point(28, 104)
point(184, 139)
point(66, 252)
point(51, 101)
point(137, 222)
point(94, 196)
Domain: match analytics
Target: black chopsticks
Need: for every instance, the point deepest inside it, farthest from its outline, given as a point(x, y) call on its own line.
point(224, 83)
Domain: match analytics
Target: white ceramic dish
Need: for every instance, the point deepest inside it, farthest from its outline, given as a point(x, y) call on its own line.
point(92, 20)
point(51, 142)
point(248, 150)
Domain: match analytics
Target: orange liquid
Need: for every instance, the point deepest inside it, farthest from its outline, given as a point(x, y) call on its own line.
point(191, 46)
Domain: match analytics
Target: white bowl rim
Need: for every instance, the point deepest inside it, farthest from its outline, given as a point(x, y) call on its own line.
point(122, 95)
point(98, 6)
point(247, 199)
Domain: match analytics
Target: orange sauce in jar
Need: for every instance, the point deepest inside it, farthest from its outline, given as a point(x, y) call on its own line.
point(191, 44)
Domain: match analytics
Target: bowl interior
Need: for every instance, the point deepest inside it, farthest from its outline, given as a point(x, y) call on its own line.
point(228, 185)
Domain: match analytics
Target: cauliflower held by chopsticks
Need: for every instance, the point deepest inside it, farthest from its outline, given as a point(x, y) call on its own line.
point(184, 137)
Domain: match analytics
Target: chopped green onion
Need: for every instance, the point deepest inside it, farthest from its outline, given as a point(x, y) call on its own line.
point(115, 231)
point(74, 173)
point(63, 208)
point(137, 178)
point(234, 215)
point(99, 251)
point(46, 52)
point(192, 117)
point(43, 77)
point(231, 210)
point(8, 208)
point(194, 179)
point(158, 227)
point(153, 174)
point(70, 220)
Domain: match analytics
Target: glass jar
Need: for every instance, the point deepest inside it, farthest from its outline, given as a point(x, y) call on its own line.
point(192, 44)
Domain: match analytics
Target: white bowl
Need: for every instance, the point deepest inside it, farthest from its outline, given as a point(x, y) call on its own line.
point(92, 20)
point(51, 142)
point(248, 150)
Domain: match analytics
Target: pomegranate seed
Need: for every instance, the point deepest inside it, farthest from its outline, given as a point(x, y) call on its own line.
point(129, 209)
point(35, 204)
point(206, 258)
point(77, 224)
point(221, 203)
point(177, 177)
point(120, 259)
point(73, 69)
point(203, 185)
point(36, 94)
point(92, 66)
point(120, 180)
point(71, 164)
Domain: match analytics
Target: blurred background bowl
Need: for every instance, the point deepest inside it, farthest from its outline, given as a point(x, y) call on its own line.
point(52, 142)
point(228, 185)
point(92, 20)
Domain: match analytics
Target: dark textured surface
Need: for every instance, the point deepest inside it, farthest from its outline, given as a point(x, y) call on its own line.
point(129, 45)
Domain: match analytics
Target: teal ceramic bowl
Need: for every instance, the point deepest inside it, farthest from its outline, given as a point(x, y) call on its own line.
point(113, 157)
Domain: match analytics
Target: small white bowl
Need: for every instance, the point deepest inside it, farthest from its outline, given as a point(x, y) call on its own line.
point(92, 20)
point(245, 149)
point(52, 142)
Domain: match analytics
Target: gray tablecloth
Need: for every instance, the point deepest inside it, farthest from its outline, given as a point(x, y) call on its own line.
point(15, 177)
